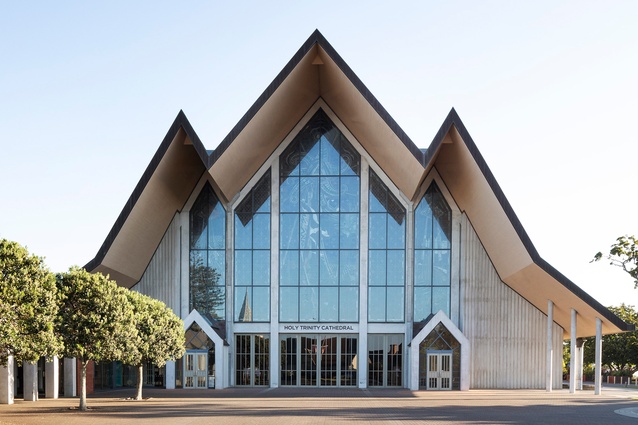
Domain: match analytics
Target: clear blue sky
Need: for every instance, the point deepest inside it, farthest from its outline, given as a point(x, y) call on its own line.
point(547, 89)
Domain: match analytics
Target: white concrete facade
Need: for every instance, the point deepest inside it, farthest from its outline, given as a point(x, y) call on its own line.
point(507, 307)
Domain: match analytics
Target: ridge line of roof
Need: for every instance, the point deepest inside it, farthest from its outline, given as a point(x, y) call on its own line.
point(316, 38)
point(180, 122)
point(453, 119)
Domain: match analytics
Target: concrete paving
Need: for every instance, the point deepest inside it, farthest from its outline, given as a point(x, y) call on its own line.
point(332, 406)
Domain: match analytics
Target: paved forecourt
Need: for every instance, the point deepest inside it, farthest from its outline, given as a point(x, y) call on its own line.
point(332, 406)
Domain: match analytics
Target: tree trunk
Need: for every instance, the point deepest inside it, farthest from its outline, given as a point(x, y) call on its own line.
point(83, 386)
point(140, 381)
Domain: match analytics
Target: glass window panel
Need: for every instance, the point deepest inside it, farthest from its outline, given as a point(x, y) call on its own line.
point(396, 267)
point(422, 302)
point(289, 268)
point(349, 194)
point(261, 194)
point(349, 231)
point(261, 304)
point(330, 158)
point(377, 231)
point(441, 268)
point(329, 267)
point(441, 299)
point(217, 260)
point(329, 231)
point(378, 194)
point(440, 238)
point(261, 268)
point(242, 304)
point(243, 234)
point(243, 267)
point(289, 304)
point(309, 194)
point(422, 267)
point(350, 160)
point(199, 233)
point(329, 298)
point(396, 304)
point(329, 194)
point(423, 226)
point(396, 233)
point(376, 304)
point(289, 161)
point(289, 195)
point(349, 304)
point(308, 231)
point(261, 231)
point(377, 267)
point(308, 304)
point(349, 268)
point(289, 231)
point(309, 268)
point(309, 157)
point(217, 228)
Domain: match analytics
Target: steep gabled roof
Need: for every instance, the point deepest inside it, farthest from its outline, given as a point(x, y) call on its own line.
point(457, 159)
point(316, 72)
point(169, 179)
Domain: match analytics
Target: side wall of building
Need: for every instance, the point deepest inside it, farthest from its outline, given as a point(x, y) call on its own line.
point(161, 279)
point(507, 334)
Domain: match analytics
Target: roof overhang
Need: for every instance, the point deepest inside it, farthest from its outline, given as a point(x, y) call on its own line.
point(478, 195)
point(163, 189)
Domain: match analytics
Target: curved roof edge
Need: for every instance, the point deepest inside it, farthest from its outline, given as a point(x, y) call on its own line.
point(316, 38)
point(180, 122)
point(453, 120)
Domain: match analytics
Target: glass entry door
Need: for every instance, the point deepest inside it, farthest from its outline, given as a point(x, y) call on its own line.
point(439, 370)
point(319, 360)
point(195, 369)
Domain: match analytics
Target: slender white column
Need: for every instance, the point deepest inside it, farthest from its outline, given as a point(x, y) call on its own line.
point(52, 378)
point(550, 346)
point(274, 276)
point(572, 355)
point(580, 346)
point(169, 375)
point(362, 351)
point(30, 381)
point(70, 378)
point(7, 381)
point(599, 356)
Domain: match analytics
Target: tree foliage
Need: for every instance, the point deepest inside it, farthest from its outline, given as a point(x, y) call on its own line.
point(620, 351)
point(96, 320)
point(624, 254)
point(28, 306)
point(160, 335)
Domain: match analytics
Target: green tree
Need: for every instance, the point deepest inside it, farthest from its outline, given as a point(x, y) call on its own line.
point(28, 306)
point(96, 320)
point(160, 335)
point(624, 254)
point(620, 351)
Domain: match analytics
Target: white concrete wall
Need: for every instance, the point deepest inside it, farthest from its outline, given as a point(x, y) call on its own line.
point(507, 334)
point(162, 276)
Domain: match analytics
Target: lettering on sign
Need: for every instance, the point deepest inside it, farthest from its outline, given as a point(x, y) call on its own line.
point(318, 328)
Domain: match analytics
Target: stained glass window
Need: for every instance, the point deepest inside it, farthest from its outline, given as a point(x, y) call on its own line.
point(208, 255)
point(432, 254)
point(319, 226)
point(252, 255)
point(386, 254)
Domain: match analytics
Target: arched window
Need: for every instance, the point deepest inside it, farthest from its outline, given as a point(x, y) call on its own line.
point(208, 255)
point(386, 254)
point(252, 255)
point(319, 226)
point(432, 255)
